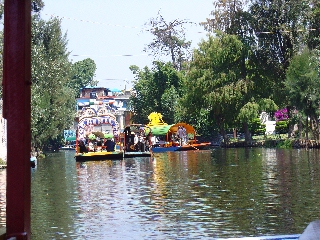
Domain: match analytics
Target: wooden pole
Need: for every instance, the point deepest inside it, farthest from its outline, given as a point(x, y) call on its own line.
point(17, 111)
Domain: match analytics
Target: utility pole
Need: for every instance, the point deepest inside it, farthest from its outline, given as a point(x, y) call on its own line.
point(17, 112)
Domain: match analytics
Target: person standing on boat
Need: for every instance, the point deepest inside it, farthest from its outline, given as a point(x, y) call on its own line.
point(185, 135)
point(180, 135)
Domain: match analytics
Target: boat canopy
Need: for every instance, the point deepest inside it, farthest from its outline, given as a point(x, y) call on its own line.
point(189, 128)
point(160, 130)
point(73, 138)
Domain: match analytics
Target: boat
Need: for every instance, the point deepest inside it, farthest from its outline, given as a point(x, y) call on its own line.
point(175, 137)
point(96, 127)
point(98, 137)
point(135, 141)
point(70, 144)
point(68, 147)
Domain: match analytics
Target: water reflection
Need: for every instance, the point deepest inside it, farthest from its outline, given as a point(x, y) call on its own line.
point(184, 195)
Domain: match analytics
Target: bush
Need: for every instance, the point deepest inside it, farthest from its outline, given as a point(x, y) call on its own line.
point(282, 127)
point(256, 128)
point(285, 144)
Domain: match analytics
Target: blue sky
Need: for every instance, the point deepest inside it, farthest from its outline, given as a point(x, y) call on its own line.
point(105, 30)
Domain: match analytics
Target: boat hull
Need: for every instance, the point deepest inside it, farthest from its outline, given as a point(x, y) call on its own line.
point(117, 155)
point(189, 147)
point(93, 156)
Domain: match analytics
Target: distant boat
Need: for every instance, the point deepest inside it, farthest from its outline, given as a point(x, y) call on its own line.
point(166, 138)
point(68, 147)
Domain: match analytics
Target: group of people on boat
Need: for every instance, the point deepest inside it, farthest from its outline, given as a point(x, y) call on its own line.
point(181, 136)
point(178, 138)
point(136, 139)
point(92, 146)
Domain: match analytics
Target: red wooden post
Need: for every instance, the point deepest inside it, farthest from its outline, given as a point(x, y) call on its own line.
point(17, 111)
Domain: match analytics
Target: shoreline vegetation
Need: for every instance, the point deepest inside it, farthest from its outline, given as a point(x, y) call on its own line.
point(273, 143)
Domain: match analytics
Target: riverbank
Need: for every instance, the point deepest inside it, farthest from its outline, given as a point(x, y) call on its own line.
point(274, 143)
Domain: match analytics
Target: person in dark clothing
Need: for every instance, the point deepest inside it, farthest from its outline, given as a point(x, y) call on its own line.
point(110, 145)
point(82, 147)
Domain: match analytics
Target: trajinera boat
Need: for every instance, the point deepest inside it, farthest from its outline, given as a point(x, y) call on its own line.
point(175, 137)
point(70, 144)
point(99, 138)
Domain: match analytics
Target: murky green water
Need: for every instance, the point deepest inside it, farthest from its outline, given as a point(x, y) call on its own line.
point(210, 194)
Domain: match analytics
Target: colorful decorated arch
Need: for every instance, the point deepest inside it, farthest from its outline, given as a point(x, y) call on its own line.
point(86, 124)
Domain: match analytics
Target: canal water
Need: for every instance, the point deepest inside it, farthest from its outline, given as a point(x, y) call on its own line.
point(218, 193)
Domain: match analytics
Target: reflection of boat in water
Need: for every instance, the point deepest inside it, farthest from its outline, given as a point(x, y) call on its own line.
point(176, 137)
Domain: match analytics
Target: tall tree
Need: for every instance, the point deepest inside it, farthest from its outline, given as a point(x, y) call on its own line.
point(169, 39)
point(303, 84)
point(52, 101)
point(216, 87)
point(313, 38)
point(37, 5)
point(277, 25)
point(228, 16)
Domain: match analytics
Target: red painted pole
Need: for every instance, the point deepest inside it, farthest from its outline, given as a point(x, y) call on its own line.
point(17, 111)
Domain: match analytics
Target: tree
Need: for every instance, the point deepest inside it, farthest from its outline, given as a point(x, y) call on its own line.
point(313, 38)
point(52, 100)
point(228, 17)
point(82, 73)
point(169, 39)
point(303, 84)
point(155, 90)
point(251, 111)
point(215, 87)
point(37, 5)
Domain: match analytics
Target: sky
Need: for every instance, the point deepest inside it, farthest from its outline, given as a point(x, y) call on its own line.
point(107, 31)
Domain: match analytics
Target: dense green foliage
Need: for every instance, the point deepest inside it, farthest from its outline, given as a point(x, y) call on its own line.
point(82, 73)
point(282, 127)
point(259, 55)
point(52, 100)
point(158, 87)
point(256, 127)
point(55, 81)
point(252, 61)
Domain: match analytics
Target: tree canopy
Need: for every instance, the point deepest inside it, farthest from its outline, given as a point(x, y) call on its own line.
point(169, 39)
